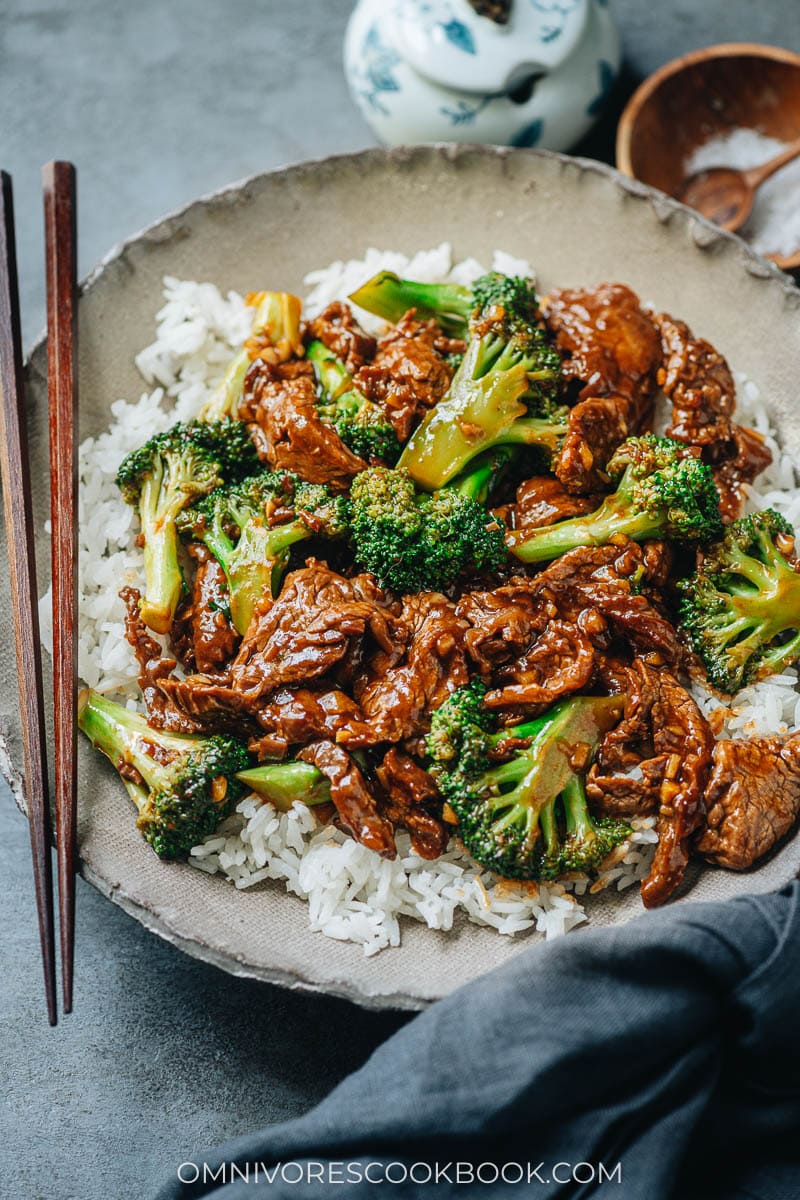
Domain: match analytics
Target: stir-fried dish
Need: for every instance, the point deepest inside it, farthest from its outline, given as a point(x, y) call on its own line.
point(448, 580)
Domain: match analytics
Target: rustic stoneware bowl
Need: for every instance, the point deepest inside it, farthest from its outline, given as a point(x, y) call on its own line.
point(700, 96)
point(579, 223)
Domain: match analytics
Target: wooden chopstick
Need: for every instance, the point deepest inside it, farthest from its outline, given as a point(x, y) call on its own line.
point(58, 182)
point(16, 477)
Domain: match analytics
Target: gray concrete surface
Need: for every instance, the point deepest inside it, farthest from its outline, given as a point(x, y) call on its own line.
point(157, 102)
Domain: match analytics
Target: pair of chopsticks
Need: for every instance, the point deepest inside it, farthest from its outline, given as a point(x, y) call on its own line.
point(58, 181)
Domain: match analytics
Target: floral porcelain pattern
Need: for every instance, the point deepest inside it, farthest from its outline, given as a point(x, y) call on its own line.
point(553, 108)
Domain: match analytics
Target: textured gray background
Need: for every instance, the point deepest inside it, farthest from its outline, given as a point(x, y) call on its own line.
point(156, 103)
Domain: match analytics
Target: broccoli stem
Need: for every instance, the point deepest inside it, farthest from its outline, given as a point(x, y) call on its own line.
point(388, 296)
point(163, 577)
point(331, 373)
point(480, 480)
point(285, 783)
point(576, 812)
point(278, 315)
point(126, 739)
point(615, 516)
point(256, 564)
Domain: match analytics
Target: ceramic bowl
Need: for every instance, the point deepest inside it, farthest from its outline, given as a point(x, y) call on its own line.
point(580, 223)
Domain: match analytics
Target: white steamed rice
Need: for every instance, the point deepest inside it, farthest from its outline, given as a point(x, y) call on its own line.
point(352, 894)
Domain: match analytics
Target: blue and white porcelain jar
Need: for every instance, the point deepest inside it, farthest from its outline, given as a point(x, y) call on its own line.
point(534, 73)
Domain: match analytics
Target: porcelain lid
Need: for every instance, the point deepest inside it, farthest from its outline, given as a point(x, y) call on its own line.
point(447, 40)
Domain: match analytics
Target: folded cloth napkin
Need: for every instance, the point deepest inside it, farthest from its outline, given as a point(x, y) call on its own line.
point(660, 1059)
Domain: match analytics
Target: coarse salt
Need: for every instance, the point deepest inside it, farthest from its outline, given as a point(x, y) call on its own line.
point(774, 224)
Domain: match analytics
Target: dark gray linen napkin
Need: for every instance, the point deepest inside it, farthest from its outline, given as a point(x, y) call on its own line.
point(655, 1060)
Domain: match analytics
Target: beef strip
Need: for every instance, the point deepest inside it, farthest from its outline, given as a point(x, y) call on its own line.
point(397, 697)
point(318, 623)
point(601, 578)
point(213, 638)
point(281, 400)
point(560, 661)
point(337, 328)
point(611, 350)
point(409, 372)
point(208, 700)
point(411, 798)
point(752, 798)
point(698, 381)
point(663, 732)
point(292, 716)
point(543, 500)
point(154, 671)
point(355, 805)
point(501, 623)
point(749, 456)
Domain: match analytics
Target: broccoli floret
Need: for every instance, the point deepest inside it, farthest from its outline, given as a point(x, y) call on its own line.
point(171, 471)
point(286, 783)
point(505, 391)
point(239, 526)
point(417, 541)
point(451, 305)
point(524, 815)
point(660, 493)
point(182, 785)
point(275, 337)
point(741, 608)
point(361, 424)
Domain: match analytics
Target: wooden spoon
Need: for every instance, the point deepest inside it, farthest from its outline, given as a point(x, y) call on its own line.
point(726, 195)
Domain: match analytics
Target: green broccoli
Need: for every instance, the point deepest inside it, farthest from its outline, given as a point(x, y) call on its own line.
point(660, 493)
point(417, 541)
point(524, 814)
point(504, 393)
point(239, 526)
point(741, 608)
point(361, 424)
point(388, 296)
point(183, 785)
point(165, 475)
point(285, 783)
point(451, 305)
point(275, 335)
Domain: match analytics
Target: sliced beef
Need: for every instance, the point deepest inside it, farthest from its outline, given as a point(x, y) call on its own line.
point(292, 716)
point(355, 805)
point(609, 343)
point(337, 328)
point(154, 671)
point(318, 624)
point(208, 700)
point(214, 640)
point(411, 802)
point(698, 381)
point(543, 501)
point(752, 798)
point(559, 662)
point(748, 457)
point(281, 401)
point(665, 735)
point(396, 698)
point(409, 372)
point(611, 353)
point(502, 623)
point(606, 579)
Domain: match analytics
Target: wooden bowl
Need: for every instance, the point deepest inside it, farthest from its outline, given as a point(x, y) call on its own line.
point(700, 96)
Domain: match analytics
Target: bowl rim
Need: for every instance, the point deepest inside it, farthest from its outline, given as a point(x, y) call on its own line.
point(649, 86)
